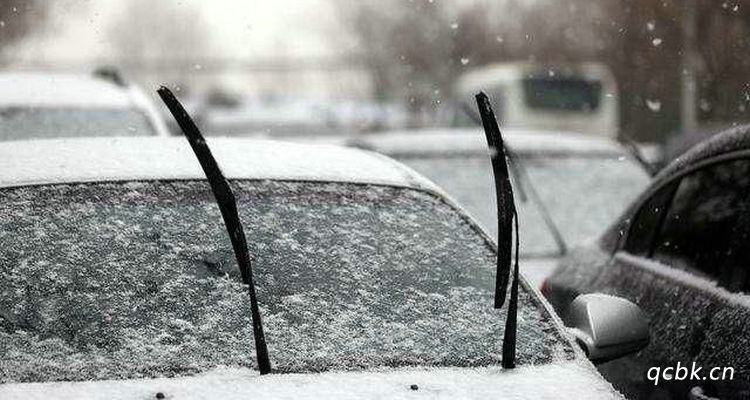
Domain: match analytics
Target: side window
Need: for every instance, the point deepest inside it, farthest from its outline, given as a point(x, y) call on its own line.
point(648, 221)
point(707, 226)
point(700, 224)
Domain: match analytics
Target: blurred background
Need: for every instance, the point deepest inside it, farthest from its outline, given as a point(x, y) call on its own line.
point(671, 71)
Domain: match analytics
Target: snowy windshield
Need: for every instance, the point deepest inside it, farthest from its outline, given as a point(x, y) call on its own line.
point(124, 280)
point(582, 194)
point(18, 123)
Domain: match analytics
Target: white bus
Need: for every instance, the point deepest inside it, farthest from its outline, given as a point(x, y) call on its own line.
point(581, 98)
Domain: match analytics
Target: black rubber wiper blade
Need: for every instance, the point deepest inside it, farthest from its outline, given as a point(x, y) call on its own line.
point(503, 193)
point(524, 185)
point(228, 206)
point(506, 216)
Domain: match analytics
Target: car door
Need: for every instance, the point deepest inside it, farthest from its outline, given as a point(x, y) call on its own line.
point(685, 262)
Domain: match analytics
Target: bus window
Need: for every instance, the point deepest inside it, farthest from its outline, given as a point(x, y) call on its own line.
point(562, 94)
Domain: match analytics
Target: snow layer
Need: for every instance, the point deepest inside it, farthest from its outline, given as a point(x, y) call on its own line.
point(566, 380)
point(130, 280)
point(117, 159)
point(61, 90)
point(472, 140)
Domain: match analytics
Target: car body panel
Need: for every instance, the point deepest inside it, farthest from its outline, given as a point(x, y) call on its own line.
point(133, 158)
point(692, 319)
point(554, 381)
point(47, 90)
point(54, 161)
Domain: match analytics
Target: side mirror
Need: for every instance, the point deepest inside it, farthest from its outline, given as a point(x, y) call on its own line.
point(607, 327)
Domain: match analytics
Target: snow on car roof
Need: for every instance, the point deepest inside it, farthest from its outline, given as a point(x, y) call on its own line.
point(472, 140)
point(732, 140)
point(572, 379)
point(45, 89)
point(150, 158)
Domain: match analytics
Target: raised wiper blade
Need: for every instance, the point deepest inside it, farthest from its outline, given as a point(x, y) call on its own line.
point(228, 206)
point(476, 118)
point(503, 193)
point(506, 215)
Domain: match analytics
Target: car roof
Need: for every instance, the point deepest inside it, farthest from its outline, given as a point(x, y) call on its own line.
point(428, 142)
point(734, 140)
point(729, 141)
point(52, 161)
point(69, 90)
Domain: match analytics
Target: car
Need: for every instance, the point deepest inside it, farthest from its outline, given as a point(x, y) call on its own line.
point(117, 280)
point(680, 252)
point(45, 105)
point(569, 184)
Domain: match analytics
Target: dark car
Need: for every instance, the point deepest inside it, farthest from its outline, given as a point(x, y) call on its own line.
point(680, 252)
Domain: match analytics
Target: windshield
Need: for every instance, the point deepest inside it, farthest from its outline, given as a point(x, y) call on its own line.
point(103, 281)
point(583, 194)
point(19, 123)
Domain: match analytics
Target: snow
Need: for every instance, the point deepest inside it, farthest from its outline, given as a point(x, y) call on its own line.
point(132, 280)
point(472, 140)
point(573, 379)
point(118, 159)
point(60, 90)
point(685, 278)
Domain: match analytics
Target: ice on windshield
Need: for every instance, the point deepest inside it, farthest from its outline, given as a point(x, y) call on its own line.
point(583, 194)
point(133, 280)
point(19, 123)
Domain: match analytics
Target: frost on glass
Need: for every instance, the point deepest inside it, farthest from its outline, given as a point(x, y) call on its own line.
point(138, 280)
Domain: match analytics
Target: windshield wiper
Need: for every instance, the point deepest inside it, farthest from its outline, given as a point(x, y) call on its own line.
point(635, 152)
point(524, 185)
point(228, 206)
point(506, 216)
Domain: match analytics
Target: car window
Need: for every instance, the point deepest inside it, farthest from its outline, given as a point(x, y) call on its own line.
point(699, 224)
point(584, 194)
point(469, 180)
point(576, 211)
point(648, 220)
point(707, 226)
point(19, 123)
point(121, 280)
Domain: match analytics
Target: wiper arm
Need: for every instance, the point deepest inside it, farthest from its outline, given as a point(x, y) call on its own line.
point(521, 177)
point(511, 155)
point(637, 154)
point(506, 215)
point(228, 206)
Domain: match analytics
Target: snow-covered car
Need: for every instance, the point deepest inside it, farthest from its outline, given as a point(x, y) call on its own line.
point(569, 184)
point(680, 251)
point(49, 105)
point(117, 280)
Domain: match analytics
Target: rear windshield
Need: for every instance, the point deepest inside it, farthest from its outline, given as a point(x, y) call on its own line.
point(19, 123)
point(127, 280)
point(562, 94)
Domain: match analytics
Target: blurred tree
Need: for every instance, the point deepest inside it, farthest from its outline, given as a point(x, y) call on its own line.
point(19, 18)
point(416, 48)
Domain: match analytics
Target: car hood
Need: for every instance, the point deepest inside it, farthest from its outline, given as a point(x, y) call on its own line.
point(570, 379)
